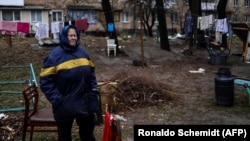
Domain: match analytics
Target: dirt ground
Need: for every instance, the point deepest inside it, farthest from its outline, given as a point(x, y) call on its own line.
point(171, 93)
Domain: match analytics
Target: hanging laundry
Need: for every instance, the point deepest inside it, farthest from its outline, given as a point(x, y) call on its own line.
point(42, 31)
point(55, 29)
point(188, 26)
point(23, 27)
point(210, 19)
point(221, 25)
point(8, 27)
point(204, 22)
point(82, 24)
point(218, 37)
point(1, 26)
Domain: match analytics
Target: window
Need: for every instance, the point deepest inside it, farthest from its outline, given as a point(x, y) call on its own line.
point(36, 16)
point(174, 17)
point(235, 18)
point(247, 2)
point(125, 17)
point(168, 4)
point(10, 15)
point(57, 16)
point(247, 18)
point(236, 2)
point(116, 17)
point(83, 14)
point(173, 1)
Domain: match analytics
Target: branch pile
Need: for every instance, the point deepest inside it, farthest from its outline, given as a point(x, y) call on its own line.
point(11, 126)
point(137, 92)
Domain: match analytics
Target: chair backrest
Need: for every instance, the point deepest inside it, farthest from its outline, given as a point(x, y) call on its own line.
point(110, 41)
point(34, 116)
point(31, 97)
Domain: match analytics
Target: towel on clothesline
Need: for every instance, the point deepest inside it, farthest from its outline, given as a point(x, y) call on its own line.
point(55, 29)
point(42, 31)
point(23, 27)
point(204, 22)
point(8, 27)
point(82, 24)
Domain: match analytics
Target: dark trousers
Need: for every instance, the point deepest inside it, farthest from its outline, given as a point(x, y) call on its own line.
point(86, 127)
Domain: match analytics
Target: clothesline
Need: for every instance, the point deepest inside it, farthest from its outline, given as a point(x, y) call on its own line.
point(12, 27)
point(42, 29)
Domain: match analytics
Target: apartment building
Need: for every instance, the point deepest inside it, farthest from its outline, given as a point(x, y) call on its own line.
point(126, 15)
point(239, 10)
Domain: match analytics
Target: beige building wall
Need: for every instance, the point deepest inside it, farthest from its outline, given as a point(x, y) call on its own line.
point(239, 11)
point(179, 7)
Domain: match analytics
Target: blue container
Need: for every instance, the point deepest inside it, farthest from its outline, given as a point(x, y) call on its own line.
point(224, 87)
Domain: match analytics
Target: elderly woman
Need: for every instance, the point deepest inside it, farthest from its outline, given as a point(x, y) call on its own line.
point(66, 77)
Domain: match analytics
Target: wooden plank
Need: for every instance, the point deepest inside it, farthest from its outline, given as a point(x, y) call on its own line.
point(240, 28)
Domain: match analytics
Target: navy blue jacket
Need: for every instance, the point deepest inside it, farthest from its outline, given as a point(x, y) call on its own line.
point(66, 76)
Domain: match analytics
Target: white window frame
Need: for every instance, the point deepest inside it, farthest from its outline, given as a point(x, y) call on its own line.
point(236, 2)
point(36, 12)
point(13, 13)
point(125, 17)
point(247, 18)
point(56, 16)
point(247, 3)
point(235, 18)
point(173, 1)
point(82, 14)
point(174, 17)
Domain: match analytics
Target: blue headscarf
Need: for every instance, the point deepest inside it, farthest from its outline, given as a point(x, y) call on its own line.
point(64, 41)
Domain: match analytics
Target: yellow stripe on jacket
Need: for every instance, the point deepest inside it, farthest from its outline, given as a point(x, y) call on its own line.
point(66, 66)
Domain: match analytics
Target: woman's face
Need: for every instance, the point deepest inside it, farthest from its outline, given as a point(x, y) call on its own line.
point(72, 36)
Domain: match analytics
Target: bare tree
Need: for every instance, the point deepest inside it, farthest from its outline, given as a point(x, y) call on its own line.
point(151, 10)
point(180, 10)
point(195, 8)
point(110, 21)
point(162, 25)
point(149, 16)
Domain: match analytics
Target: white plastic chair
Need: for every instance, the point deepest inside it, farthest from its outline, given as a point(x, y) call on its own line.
point(111, 46)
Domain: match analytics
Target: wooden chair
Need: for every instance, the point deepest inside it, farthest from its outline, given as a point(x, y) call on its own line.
point(41, 118)
point(111, 46)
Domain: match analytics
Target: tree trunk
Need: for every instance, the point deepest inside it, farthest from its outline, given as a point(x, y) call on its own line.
point(221, 9)
point(195, 9)
point(162, 25)
point(110, 19)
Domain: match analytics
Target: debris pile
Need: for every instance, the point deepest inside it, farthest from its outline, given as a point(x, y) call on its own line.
point(137, 92)
point(11, 126)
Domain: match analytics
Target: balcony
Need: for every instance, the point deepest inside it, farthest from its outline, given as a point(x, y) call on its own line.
point(12, 3)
